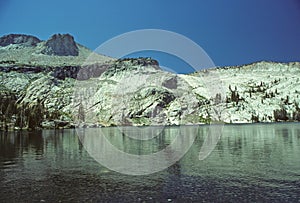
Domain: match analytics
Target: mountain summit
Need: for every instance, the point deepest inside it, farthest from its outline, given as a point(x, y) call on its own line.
point(61, 45)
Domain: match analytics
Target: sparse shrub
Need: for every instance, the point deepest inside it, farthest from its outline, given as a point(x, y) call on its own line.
point(280, 114)
point(234, 97)
point(254, 118)
point(286, 102)
point(269, 95)
point(296, 113)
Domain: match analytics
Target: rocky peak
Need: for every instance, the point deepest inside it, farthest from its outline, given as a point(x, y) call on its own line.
point(61, 45)
point(22, 39)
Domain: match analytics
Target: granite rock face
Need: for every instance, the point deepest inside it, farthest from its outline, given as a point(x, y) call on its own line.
point(137, 94)
point(21, 39)
point(61, 45)
point(110, 92)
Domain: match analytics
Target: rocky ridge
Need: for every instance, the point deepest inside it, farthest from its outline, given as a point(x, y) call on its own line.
point(26, 40)
point(59, 51)
point(137, 92)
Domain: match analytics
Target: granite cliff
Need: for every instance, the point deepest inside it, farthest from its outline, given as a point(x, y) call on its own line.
point(50, 83)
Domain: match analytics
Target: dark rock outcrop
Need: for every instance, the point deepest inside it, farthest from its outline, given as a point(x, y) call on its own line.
point(61, 45)
point(26, 40)
point(62, 72)
point(139, 61)
point(130, 64)
point(91, 71)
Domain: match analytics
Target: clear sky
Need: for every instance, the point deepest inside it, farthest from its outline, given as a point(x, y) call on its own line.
point(232, 32)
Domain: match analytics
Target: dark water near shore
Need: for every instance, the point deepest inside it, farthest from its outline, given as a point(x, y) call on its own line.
point(251, 163)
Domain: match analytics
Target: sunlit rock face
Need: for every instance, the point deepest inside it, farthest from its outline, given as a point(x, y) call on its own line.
point(43, 83)
point(61, 45)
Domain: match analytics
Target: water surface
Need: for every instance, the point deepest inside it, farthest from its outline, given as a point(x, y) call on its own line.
point(250, 163)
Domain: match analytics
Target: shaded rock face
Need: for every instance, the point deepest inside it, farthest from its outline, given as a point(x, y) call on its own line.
point(170, 83)
point(61, 45)
point(91, 71)
point(155, 98)
point(26, 40)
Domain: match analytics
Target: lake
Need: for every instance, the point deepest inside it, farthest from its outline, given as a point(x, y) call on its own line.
point(249, 163)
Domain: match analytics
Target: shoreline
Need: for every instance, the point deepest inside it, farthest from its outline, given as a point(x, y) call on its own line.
point(87, 126)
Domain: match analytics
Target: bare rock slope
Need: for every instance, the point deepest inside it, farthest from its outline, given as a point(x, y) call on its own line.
point(42, 89)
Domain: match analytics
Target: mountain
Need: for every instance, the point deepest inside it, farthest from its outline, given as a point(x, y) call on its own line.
point(58, 50)
point(61, 83)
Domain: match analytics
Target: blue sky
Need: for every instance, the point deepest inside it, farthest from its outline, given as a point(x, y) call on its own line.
point(232, 32)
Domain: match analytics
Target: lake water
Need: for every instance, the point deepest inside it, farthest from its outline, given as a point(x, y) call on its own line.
point(250, 163)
